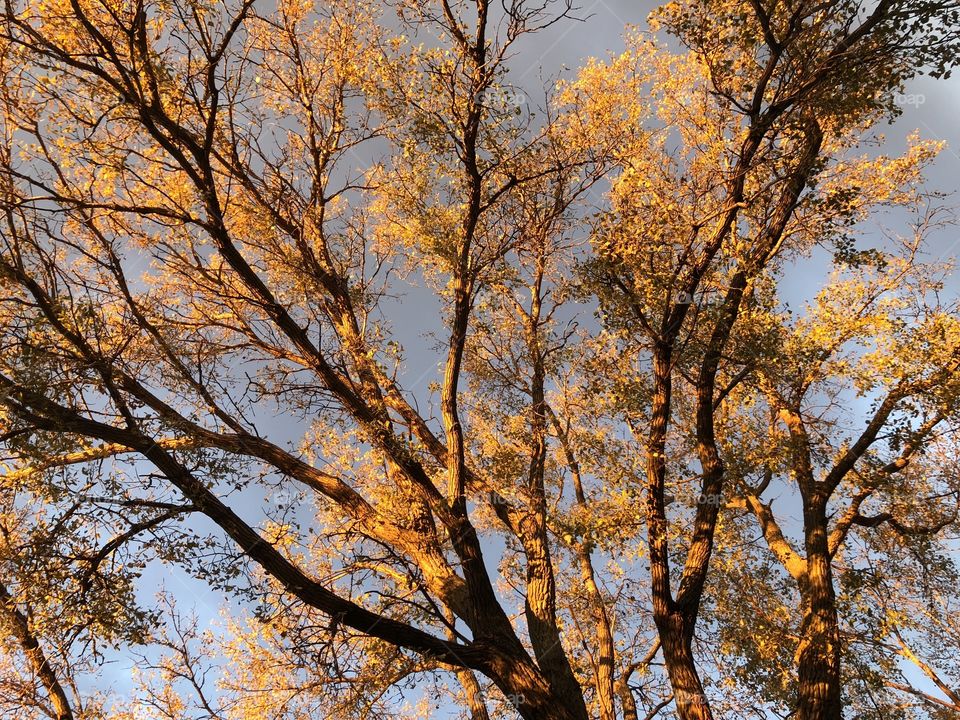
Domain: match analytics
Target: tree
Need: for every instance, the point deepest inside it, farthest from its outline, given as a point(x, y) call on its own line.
point(53, 638)
point(289, 174)
point(712, 200)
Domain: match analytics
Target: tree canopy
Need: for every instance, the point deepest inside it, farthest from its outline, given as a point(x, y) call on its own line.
point(466, 399)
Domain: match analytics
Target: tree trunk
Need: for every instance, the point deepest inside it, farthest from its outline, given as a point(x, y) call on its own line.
point(474, 695)
point(540, 612)
point(818, 653)
point(627, 700)
point(541, 604)
point(677, 639)
point(525, 687)
point(604, 638)
point(19, 628)
point(674, 626)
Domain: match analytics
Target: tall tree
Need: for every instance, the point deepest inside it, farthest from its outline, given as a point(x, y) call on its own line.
point(226, 230)
point(718, 188)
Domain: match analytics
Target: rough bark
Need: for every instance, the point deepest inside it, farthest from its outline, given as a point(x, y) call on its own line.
point(541, 602)
point(474, 693)
point(818, 653)
point(676, 636)
point(604, 658)
point(19, 628)
point(675, 624)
